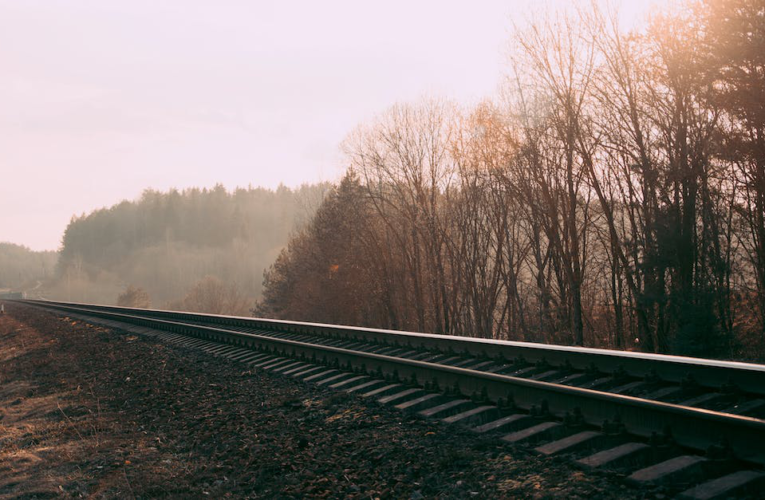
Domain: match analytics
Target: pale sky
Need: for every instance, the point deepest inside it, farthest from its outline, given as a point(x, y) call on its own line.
point(102, 99)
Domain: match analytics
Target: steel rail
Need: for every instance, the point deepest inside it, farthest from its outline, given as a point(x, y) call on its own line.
point(747, 377)
point(693, 428)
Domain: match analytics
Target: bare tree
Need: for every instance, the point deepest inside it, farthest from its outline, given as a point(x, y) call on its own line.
point(403, 160)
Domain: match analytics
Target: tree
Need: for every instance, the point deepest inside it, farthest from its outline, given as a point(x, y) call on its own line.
point(558, 58)
point(404, 163)
point(734, 43)
point(331, 271)
point(617, 199)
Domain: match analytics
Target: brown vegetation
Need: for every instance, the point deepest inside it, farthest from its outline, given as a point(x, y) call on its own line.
point(134, 297)
point(615, 197)
point(210, 295)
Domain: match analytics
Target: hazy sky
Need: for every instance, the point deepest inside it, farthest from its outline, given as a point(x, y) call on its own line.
point(101, 99)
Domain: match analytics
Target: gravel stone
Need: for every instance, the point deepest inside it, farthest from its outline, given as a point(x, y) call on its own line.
point(91, 411)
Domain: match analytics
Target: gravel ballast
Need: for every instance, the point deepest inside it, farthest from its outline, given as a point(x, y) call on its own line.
point(89, 411)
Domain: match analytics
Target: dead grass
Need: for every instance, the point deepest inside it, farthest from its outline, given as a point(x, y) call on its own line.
point(49, 425)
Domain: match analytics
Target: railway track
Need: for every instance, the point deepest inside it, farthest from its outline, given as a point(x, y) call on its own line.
point(697, 425)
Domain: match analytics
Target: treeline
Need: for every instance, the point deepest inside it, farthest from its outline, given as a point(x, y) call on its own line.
point(22, 269)
point(613, 196)
point(165, 246)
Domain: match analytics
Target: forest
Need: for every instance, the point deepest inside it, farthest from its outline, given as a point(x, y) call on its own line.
point(196, 249)
point(22, 269)
point(611, 195)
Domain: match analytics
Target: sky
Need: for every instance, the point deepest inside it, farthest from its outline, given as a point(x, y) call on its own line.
point(102, 99)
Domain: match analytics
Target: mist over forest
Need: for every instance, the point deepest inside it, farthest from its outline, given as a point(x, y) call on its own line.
point(199, 249)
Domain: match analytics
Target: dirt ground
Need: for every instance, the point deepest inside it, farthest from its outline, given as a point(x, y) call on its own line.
point(87, 411)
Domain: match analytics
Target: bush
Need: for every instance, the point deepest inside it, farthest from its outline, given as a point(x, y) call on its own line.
point(134, 297)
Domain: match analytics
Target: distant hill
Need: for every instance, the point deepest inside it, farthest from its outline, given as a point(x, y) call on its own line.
point(22, 269)
point(166, 242)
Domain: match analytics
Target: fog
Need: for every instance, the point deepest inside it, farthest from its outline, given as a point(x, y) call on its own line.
point(102, 100)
